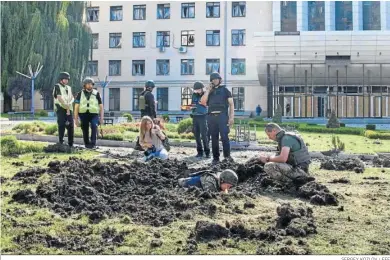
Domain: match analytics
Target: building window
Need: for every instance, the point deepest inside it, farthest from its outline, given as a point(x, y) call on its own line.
point(115, 40)
point(238, 98)
point(288, 16)
point(212, 65)
point(187, 38)
point(162, 99)
point(136, 93)
point(138, 40)
point(213, 38)
point(92, 68)
point(116, 13)
point(316, 15)
point(371, 15)
point(188, 10)
point(95, 41)
point(343, 13)
point(187, 67)
point(139, 12)
point(93, 14)
point(186, 98)
point(238, 9)
point(114, 102)
point(162, 67)
point(138, 68)
point(238, 66)
point(163, 39)
point(163, 11)
point(212, 10)
point(114, 68)
point(238, 37)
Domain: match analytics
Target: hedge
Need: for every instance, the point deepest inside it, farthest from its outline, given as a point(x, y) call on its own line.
point(377, 135)
point(116, 137)
point(10, 146)
point(343, 130)
point(184, 125)
point(128, 116)
point(51, 129)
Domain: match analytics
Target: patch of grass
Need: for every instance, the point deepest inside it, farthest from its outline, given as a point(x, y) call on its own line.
point(11, 147)
point(30, 128)
point(377, 135)
point(51, 129)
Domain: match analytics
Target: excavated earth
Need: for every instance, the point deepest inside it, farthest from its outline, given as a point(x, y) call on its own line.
point(351, 164)
point(147, 192)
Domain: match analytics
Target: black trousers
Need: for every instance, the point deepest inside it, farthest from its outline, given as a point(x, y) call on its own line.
point(201, 134)
point(88, 120)
point(65, 121)
point(218, 125)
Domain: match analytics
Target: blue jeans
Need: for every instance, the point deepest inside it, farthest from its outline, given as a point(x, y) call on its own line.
point(192, 181)
point(162, 154)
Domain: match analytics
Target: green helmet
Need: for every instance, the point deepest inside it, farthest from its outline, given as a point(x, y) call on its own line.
point(64, 75)
point(198, 85)
point(229, 176)
point(88, 80)
point(149, 84)
point(215, 75)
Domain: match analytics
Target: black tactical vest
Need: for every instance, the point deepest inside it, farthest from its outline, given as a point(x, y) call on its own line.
point(218, 101)
point(300, 157)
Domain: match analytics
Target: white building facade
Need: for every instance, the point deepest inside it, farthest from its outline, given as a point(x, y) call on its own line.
point(261, 49)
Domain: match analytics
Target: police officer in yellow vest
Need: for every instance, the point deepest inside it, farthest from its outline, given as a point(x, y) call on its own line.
point(88, 106)
point(63, 105)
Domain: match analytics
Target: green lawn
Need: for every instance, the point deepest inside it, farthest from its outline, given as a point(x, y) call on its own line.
point(366, 205)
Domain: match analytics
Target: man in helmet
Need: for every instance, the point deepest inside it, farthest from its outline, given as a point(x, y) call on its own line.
point(198, 114)
point(88, 107)
point(146, 101)
point(63, 105)
point(208, 181)
point(220, 115)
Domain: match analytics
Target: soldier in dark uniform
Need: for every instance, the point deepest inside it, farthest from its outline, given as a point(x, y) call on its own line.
point(147, 103)
point(198, 114)
point(63, 105)
point(208, 181)
point(292, 162)
point(220, 115)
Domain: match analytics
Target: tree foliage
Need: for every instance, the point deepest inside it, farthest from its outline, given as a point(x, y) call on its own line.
point(50, 33)
point(18, 87)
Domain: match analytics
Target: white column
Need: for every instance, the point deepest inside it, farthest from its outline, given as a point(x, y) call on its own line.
point(357, 15)
point(329, 16)
point(276, 16)
point(342, 106)
point(372, 106)
point(299, 106)
point(357, 106)
point(387, 106)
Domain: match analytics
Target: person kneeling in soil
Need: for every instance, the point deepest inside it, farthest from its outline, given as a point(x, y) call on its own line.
point(151, 140)
point(292, 162)
point(208, 181)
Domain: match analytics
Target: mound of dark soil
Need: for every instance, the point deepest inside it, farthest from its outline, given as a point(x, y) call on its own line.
point(58, 148)
point(318, 194)
point(18, 164)
point(24, 196)
point(29, 175)
point(381, 162)
point(341, 180)
point(205, 231)
point(343, 165)
point(3, 180)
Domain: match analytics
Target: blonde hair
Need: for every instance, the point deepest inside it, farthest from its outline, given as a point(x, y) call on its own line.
point(142, 128)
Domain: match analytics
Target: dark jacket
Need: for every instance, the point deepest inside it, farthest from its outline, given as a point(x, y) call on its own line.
point(198, 109)
point(150, 105)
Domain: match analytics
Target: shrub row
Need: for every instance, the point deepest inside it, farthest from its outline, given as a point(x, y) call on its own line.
point(341, 130)
point(377, 135)
point(10, 146)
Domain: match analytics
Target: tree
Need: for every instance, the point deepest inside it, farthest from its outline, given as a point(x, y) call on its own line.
point(18, 87)
point(52, 33)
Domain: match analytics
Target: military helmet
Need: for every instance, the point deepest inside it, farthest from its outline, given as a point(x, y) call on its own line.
point(149, 84)
point(198, 85)
point(229, 176)
point(215, 75)
point(88, 80)
point(64, 75)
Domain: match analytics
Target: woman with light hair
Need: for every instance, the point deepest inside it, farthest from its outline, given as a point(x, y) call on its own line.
point(151, 139)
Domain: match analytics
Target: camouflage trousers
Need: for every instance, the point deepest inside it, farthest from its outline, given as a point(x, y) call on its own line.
point(283, 172)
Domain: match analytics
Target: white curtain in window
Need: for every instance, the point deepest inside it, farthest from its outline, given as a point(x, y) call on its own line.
point(160, 40)
point(166, 12)
point(139, 14)
point(163, 68)
point(160, 13)
point(114, 69)
point(216, 39)
point(192, 12)
point(209, 39)
point(115, 41)
point(209, 11)
point(116, 15)
point(239, 10)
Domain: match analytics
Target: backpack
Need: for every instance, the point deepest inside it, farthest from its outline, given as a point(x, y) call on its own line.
point(141, 101)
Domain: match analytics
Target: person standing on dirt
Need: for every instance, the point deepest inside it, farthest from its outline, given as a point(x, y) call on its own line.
point(198, 114)
point(88, 107)
point(220, 115)
point(292, 162)
point(151, 140)
point(147, 104)
point(63, 105)
point(208, 181)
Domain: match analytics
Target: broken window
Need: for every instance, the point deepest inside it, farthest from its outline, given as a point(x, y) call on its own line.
point(138, 68)
point(238, 9)
point(188, 10)
point(187, 67)
point(115, 40)
point(138, 39)
point(92, 69)
point(162, 67)
point(187, 38)
point(212, 10)
point(212, 65)
point(116, 13)
point(163, 39)
point(114, 68)
point(212, 38)
point(186, 98)
point(93, 14)
point(95, 41)
point(238, 37)
point(238, 66)
point(163, 11)
point(139, 12)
